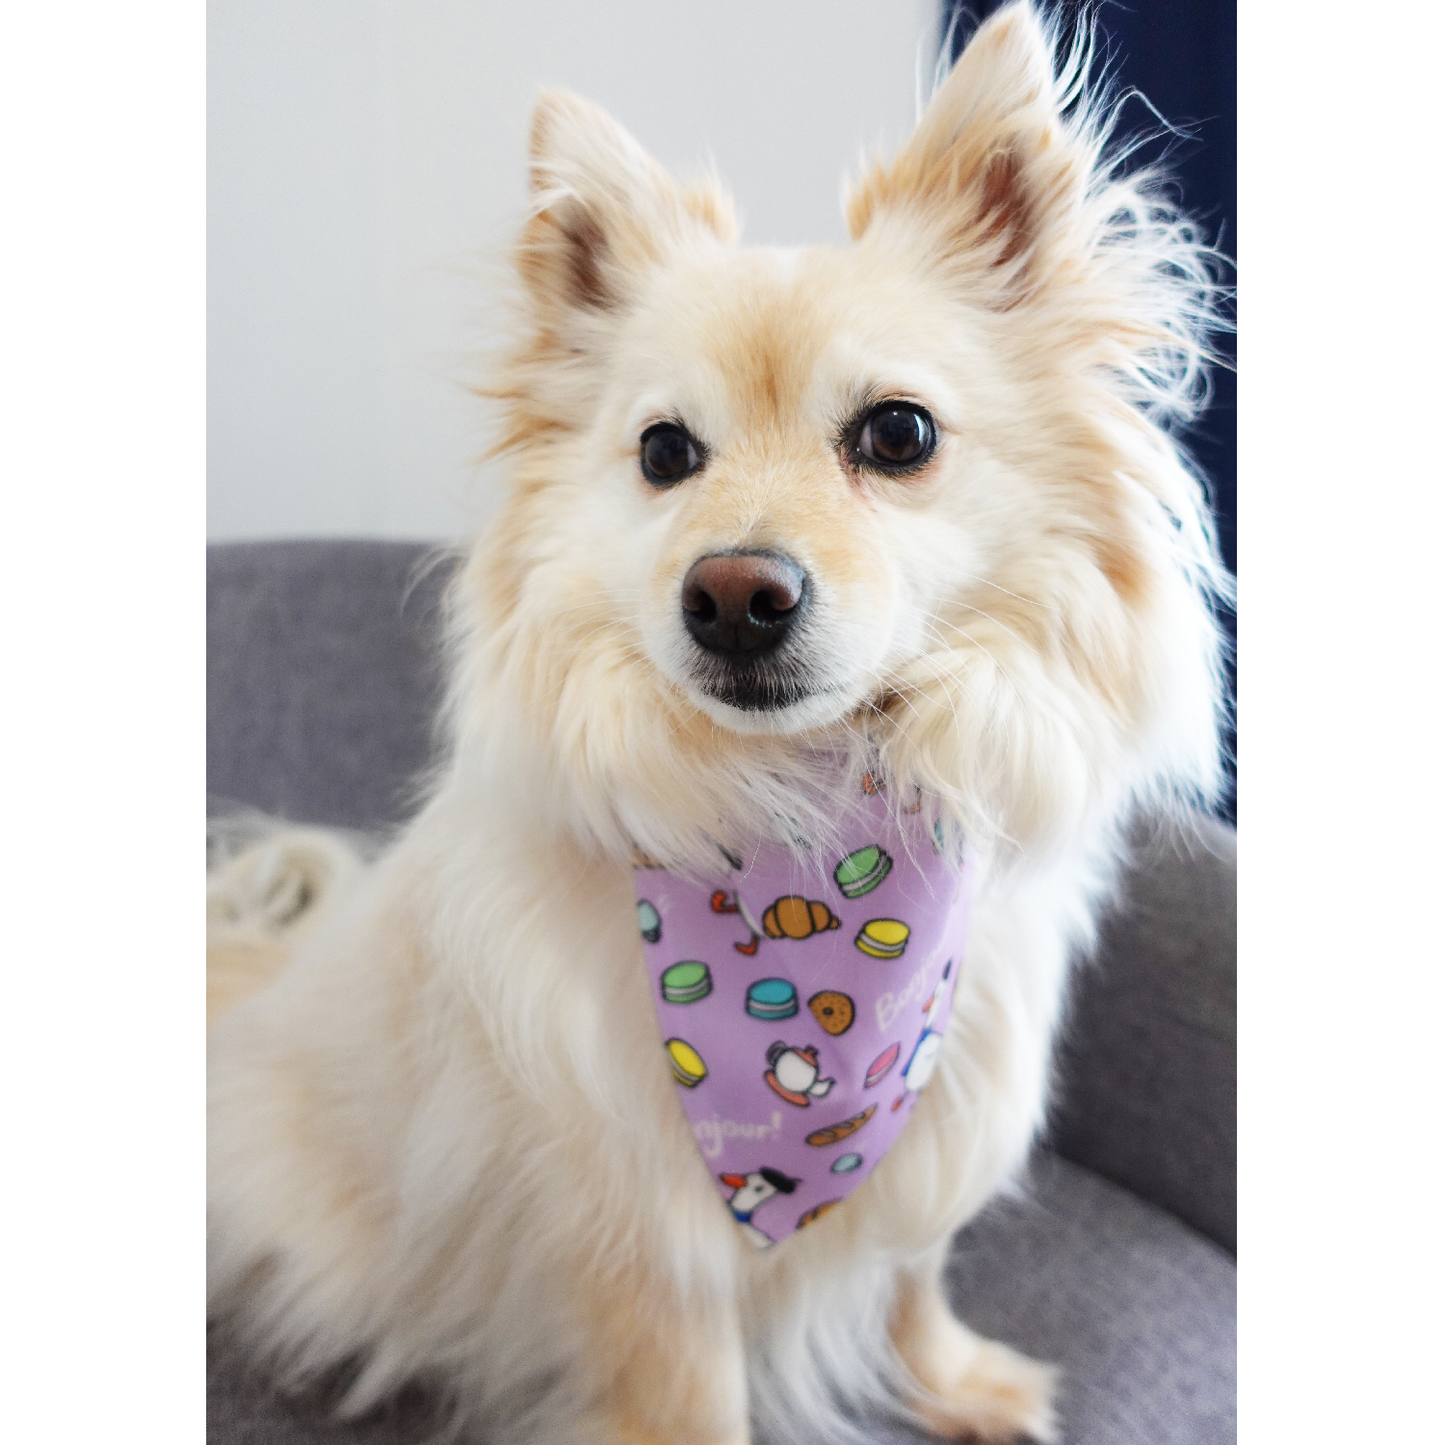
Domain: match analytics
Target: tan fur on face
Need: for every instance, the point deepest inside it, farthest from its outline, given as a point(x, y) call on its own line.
point(443, 1137)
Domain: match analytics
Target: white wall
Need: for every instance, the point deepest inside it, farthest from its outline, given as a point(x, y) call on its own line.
point(367, 167)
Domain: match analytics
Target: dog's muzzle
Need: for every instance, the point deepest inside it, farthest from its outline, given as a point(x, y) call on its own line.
point(740, 608)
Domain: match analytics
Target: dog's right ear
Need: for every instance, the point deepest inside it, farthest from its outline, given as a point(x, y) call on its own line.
point(993, 179)
point(603, 213)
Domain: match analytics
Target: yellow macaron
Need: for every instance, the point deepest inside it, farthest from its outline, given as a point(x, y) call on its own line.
point(687, 1065)
point(883, 938)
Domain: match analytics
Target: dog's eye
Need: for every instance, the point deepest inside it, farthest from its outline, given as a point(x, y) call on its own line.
point(896, 436)
point(668, 454)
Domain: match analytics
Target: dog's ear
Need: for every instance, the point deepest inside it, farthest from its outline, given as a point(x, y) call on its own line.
point(602, 213)
point(992, 179)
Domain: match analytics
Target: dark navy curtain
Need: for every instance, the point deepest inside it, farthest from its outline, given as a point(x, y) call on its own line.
point(1180, 54)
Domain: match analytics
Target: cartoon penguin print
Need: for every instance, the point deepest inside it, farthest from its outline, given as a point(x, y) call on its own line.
point(919, 1068)
point(750, 1192)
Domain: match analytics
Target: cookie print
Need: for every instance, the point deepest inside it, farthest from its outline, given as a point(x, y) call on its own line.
point(833, 1010)
point(811, 1216)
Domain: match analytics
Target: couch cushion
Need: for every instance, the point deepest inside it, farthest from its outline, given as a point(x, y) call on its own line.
point(1145, 1067)
point(1136, 1308)
point(323, 674)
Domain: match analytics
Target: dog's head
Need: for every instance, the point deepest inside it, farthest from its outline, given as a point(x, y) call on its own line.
point(907, 499)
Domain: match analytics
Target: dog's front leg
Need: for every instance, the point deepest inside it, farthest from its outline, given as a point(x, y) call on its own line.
point(974, 1389)
point(663, 1370)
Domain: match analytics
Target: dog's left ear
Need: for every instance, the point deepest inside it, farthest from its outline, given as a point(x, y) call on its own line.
point(603, 212)
point(992, 182)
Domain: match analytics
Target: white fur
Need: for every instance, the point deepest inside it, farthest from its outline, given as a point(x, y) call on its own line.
point(444, 1138)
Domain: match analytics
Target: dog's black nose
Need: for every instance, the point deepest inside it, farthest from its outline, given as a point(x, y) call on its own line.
point(741, 604)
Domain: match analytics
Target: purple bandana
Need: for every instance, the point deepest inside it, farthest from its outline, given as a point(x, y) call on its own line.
point(802, 1006)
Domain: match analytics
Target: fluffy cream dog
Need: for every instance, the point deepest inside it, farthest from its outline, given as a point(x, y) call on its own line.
point(444, 1139)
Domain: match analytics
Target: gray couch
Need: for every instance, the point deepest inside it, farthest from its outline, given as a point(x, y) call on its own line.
point(1115, 1260)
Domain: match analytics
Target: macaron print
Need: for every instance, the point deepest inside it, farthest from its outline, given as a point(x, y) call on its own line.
point(833, 1010)
point(836, 1133)
point(861, 872)
point(772, 999)
point(878, 1069)
point(847, 1163)
point(686, 982)
point(687, 1065)
point(649, 921)
point(883, 938)
point(794, 917)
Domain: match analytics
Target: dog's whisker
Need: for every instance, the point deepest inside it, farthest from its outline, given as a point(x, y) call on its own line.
point(1002, 626)
point(984, 582)
point(946, 643)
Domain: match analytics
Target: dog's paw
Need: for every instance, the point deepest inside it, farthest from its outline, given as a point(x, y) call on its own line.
point(969, 1388)
point(621, 1431)
point(993, 1395)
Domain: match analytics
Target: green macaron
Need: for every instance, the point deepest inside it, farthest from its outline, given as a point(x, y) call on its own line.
point(863, 871)
point(686, 982)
